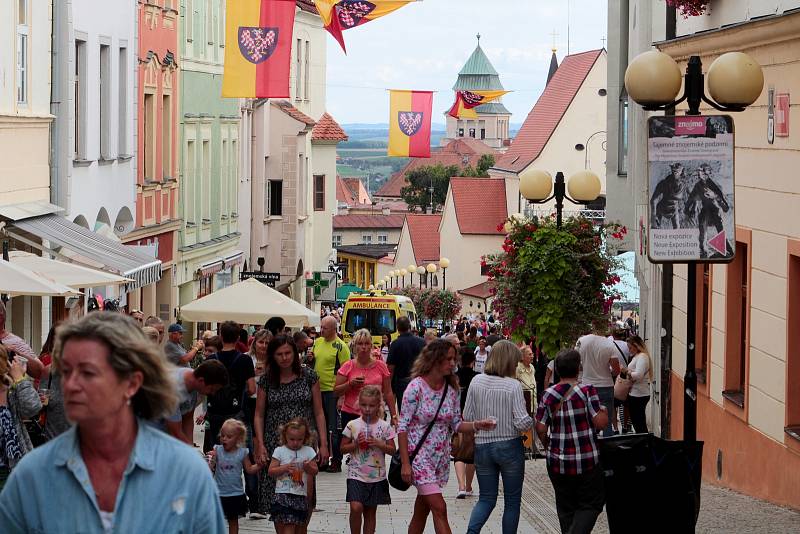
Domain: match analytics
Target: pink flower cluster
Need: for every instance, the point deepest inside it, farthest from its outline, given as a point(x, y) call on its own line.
point(689, 8)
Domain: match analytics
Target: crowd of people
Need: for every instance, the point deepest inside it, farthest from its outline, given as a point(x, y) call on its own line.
point(104, 419)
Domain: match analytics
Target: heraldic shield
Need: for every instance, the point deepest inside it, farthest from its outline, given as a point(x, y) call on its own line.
point(410, 121)
point(351, 13)
point(257, 44)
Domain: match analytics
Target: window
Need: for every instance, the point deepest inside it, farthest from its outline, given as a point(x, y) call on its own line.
point(483, 133)
point(274, 198)
point(337, 240)
point(622, 142)
point(793, 343)
point(79, 99)
point(703, 326)
point(22, 52)
point(188, 17)
point(378, 322)
point(209, 22)
point(366, 239)
point(319, 192)
point(189, 183)
point(233, 165)
point(223, 179)
point(221, 30)
point(166, 137)
point(383, 239)
point(737, 335)
point(298, 70)
point(472, 132)
point(307, 70)
point(205, 200)
point(105, 100)
point(148, 127)
point(122, 103)
point(461, 132)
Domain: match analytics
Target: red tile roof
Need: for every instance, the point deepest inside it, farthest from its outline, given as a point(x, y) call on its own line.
point(293, 112)
point(341, 222)
point(543, 119)
point(481, 291)
point(308, 6)
point(327, 129)
point(359, 191)
point(424, 232)
point(480, 204)
point(458, 152)
point(343, 193)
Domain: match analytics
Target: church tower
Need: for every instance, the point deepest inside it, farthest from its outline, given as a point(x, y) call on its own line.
point(492, 125)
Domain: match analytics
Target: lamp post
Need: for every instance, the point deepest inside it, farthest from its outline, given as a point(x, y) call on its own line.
point(420, 272)
point(411, 270)
point(653, 80)
point(403, 273)
point(535, 186)
point(444, 263)
point(431, 268)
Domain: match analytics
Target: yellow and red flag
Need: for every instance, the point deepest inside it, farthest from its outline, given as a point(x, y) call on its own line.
point(258, 48)
point(467, 100)
point(410, 123)
point(340, 15)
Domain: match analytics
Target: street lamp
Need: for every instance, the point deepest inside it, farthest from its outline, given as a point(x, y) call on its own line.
point(403, 273)
point(535, 186)
point(431, 268)
point(411, 270)
point(420, 272)
point(444, 263)
point(735, 81)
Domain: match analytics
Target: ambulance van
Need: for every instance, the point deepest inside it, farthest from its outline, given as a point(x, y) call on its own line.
point(378, 312)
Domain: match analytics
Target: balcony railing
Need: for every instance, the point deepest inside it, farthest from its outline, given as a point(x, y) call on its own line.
point(594, 215)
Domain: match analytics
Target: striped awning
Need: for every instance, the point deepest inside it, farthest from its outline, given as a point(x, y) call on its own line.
point(127, 261)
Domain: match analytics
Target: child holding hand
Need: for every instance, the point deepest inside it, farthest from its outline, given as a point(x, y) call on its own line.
point(292, 465)
point(227, 461)
point(368, 439)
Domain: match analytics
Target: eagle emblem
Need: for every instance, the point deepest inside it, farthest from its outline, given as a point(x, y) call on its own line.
point(257, 44)
point(471, 99)
point(410, 121)
point(352, 12)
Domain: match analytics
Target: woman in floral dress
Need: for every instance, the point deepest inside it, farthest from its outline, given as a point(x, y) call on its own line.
point(433, 377)
point(287, 390)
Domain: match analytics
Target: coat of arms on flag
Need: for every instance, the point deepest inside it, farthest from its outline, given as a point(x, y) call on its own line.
point(410, 124)
point(258, 48)
point(467, 100)
point(340, 15)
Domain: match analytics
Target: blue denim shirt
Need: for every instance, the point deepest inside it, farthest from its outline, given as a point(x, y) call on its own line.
point(166, 487)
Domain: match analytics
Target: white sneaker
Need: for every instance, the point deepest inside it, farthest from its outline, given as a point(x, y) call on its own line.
point(256, 515)
point(471, 493)
point(461, 494)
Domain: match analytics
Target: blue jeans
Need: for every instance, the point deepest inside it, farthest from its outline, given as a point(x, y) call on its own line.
point(606, 395)
point(332, 422)
point(506, 458)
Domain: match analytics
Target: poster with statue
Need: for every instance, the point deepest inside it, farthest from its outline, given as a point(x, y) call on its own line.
point(691, 205)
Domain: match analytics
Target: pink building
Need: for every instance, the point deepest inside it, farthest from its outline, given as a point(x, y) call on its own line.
point(157, 157)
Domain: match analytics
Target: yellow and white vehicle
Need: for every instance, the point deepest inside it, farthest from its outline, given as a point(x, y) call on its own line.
point(378, 312)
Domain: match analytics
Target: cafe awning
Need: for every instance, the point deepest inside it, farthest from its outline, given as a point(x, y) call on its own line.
point(124, 260)
point(68, 274)
point(18, 281)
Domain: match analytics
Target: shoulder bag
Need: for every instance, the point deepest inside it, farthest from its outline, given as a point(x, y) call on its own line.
point(395, 467)
point(622, 385)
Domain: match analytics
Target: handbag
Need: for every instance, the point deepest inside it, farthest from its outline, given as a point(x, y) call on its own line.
point(396, 465)
point(463, 447)
point(622, 387)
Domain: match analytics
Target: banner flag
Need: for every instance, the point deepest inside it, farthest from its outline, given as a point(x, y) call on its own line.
point(340, 15)
point(258, 48)
point(467, 100)
point(410, 123)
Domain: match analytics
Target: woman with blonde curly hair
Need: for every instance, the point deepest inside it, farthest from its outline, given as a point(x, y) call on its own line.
point(107, 467)
point(18, 401)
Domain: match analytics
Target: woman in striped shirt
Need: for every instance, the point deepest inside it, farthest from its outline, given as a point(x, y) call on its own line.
point(497, 394)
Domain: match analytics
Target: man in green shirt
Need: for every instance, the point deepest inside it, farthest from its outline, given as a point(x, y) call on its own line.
point(330, 353)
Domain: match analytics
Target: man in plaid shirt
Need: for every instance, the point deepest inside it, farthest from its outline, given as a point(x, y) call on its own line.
point(573, 413)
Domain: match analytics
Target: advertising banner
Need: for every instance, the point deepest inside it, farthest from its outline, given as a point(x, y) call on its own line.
point(690, 168)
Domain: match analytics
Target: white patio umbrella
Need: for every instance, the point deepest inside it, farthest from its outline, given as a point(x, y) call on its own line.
point(18, 281)
point(249, 302)
point(68, 274)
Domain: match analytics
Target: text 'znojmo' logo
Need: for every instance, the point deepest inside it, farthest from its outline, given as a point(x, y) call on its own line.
point(410, 121)
point(257, 44)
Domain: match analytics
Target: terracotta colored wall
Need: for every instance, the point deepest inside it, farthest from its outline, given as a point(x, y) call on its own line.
point(752, 463)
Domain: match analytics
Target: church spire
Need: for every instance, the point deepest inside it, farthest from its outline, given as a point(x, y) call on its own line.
point(553, 66)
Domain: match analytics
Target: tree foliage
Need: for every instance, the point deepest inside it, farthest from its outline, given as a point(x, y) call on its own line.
point(433, 304)
point(554, 285)
point(417, 194)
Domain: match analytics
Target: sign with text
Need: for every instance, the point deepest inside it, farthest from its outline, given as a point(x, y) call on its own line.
point(690, 168)
point(270, 279)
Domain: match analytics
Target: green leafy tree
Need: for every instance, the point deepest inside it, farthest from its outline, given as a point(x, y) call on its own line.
point(417, 194)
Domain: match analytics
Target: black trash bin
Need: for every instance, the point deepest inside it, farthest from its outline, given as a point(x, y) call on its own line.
point(652, 484)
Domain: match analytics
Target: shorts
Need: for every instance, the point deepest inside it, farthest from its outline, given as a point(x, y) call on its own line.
point(368, 493)
point(289, 509)
point(234, 507)
point(428, 489)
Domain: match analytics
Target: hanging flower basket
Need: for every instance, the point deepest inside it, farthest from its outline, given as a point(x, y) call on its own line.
point(689, 8)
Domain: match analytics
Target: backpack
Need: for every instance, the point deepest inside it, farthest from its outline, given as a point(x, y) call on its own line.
point(229, 399)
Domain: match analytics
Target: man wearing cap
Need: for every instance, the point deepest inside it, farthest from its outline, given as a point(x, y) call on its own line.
point(174, 349)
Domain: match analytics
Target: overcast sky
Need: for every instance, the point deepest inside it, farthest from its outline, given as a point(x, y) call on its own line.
point(423, 46)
